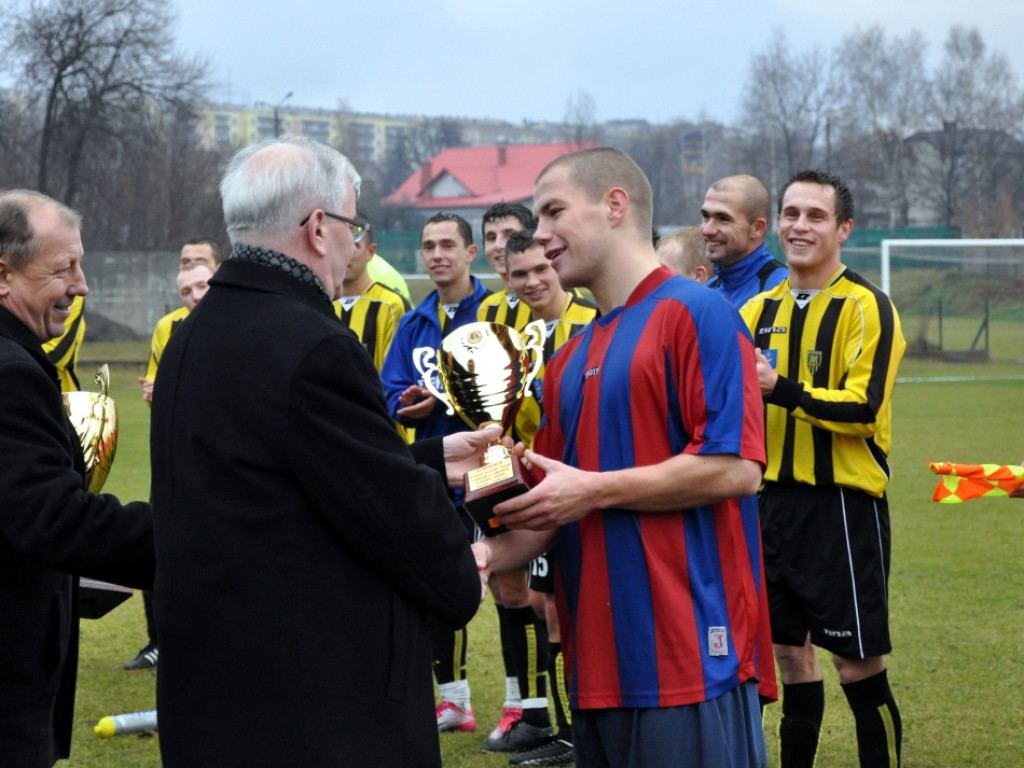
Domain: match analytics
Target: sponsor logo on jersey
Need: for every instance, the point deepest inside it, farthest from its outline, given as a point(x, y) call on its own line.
point(591, 372)
point(772, 329)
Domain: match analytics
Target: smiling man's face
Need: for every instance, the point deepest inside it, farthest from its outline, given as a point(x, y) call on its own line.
point(40, 293)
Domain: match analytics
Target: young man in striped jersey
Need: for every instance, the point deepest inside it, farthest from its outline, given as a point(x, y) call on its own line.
point(370, 309)
point(499, 222)
point(564, 314)
point(829, 344)
point(652, 449)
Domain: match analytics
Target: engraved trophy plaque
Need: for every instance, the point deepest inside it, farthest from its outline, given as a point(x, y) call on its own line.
point(485, 371)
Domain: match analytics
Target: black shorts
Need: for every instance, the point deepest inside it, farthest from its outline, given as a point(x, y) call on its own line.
point(826, 563)
point(542, 573)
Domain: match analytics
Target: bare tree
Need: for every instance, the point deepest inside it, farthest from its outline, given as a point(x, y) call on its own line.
point(980, 105)
point(883, 97)
point(88, 64)
point(429, 138)
point(789, 95)
point(581, 119)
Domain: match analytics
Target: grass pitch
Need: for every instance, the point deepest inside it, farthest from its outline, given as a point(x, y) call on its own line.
point(957, 591)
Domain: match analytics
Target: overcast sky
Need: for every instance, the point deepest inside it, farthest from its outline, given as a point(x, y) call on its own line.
point(652, 59)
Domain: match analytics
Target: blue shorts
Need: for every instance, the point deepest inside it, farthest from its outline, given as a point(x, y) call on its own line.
point(725, 732)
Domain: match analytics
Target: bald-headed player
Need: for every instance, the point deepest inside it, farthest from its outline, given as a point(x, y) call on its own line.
point(735, 218)
point(682, 251)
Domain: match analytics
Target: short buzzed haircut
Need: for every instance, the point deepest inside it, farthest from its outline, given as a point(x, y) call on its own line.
point(465, 231)
point(598, 169)
point(692, 252)
point(757, 203)
point(215, 247)
point(18, 242)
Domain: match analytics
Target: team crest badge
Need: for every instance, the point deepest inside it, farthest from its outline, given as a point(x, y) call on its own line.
point(814, 358)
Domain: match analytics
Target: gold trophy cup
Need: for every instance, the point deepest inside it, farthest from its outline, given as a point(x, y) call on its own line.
point(485, 371)
point(94, 417)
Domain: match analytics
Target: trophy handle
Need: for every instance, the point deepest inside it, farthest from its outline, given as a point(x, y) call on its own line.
point(535, 334)
point(422, 359)
point(102, 379)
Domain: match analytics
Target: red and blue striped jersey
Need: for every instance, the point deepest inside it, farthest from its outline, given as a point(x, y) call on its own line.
point(658, 609)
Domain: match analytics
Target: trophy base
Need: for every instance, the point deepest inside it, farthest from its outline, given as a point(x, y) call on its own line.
point(490, 485)
point(98, 598)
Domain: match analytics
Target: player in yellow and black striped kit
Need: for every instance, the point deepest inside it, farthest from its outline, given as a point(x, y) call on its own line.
point(370, 309)
point(63, 351)
point(198, 260)
point(500, 221)
point(829, 345)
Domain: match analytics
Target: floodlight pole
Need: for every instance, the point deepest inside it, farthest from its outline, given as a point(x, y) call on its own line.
point(277, 119)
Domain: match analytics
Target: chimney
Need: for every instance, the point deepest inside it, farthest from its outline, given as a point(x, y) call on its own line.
point(426, 174)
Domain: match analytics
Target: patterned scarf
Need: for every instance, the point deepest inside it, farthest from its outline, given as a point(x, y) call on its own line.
point(285, 263)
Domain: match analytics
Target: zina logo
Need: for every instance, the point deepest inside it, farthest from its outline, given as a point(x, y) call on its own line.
point(837, 632)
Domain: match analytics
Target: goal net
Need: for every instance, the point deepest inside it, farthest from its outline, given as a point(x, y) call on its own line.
point(958, 299)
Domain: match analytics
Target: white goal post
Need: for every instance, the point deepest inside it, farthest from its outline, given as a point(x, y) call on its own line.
point(939, 243)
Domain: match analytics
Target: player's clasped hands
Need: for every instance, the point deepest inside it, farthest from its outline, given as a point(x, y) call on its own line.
point(561, 497)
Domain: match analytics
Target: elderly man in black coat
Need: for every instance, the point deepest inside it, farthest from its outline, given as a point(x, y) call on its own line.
point(50, 526)
point(300, 545)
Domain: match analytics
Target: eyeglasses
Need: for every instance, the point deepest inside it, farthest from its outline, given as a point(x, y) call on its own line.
point(358, 226)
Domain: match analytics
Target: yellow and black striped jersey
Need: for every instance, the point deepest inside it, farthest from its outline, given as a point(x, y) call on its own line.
point(837, 351)
point(373, 316)
point(504, 307)
point(381, 271)
point(577, 315)
point(63, 351)
point(161, 333)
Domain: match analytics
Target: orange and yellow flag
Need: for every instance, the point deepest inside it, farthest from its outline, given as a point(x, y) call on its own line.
point(961, 482)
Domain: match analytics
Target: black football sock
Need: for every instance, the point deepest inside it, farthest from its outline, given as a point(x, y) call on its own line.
point(559, 691)
point(529, 638)
point(449, 651)
point(879, 727)
point(506, 640)
point(803, 705)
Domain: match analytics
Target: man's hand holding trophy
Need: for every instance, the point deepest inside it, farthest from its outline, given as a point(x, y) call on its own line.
point(483, 372)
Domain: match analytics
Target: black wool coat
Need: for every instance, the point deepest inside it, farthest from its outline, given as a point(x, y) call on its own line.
point(51, 531)
point(300, 546)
